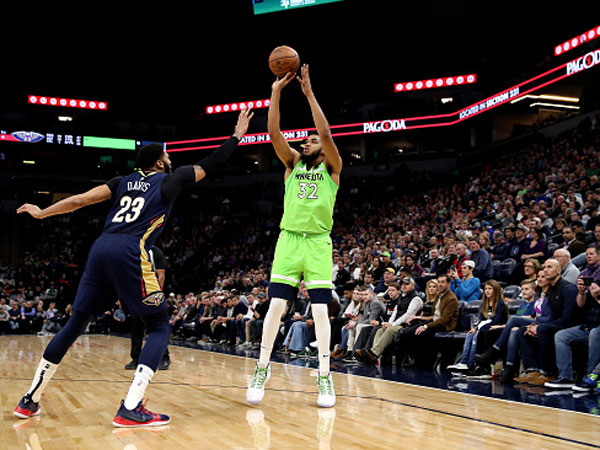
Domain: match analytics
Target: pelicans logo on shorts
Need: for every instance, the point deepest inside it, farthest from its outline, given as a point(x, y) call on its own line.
point(154, 299)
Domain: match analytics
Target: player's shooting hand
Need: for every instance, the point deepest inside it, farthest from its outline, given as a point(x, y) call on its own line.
point(243, 122)
point(280, 83)
point(35, 211)
point(305, 81)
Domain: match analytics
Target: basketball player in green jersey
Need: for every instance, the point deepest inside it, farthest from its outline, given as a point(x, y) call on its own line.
point(304, 248)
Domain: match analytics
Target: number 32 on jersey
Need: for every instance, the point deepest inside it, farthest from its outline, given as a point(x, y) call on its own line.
point(308, 190)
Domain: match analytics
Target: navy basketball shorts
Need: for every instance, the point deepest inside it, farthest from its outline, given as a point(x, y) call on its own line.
point(118, 268)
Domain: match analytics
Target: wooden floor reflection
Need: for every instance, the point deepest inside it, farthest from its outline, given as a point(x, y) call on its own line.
point(204, 393)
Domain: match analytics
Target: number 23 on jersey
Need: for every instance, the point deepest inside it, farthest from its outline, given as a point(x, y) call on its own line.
point(130, 209)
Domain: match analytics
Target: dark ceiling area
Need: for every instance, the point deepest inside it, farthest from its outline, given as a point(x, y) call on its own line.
point(159, 72)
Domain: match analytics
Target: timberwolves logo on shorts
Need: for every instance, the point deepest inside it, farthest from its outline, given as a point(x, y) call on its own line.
point(154, 299)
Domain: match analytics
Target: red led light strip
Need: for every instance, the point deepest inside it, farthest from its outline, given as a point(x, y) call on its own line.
point(228, 107)
point(433, 83)
point(66, 102)
point(585, 62)
point(576, 41)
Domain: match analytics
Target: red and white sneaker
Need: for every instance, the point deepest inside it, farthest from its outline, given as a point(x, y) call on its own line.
point(139, 417)
point(27, 408)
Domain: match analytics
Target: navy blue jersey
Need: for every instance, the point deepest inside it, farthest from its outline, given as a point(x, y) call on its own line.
point(139, 209)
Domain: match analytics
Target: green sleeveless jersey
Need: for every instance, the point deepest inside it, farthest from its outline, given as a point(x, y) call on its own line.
point(309, 200)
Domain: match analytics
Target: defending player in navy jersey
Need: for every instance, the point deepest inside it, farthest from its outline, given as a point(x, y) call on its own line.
point(119, 267)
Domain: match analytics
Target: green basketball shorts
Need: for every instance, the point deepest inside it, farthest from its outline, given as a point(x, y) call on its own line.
point(302, 256)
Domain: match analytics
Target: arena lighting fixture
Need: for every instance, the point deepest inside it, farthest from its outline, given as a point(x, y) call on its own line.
point(576, 41)
point(445, 100)
point(570, 68)
point(67, 102)
point(65, 119)
point(229, 107)
point(432, 83)
point(26, 161)
point(559, 98)
point(553, 105)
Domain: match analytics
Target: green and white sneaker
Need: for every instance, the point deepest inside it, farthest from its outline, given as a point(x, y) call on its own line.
point(256, 389)
point(326, 397)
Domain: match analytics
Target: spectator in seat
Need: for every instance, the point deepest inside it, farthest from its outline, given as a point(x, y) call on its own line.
point(242, 323)
point(409, 305)
point(258, 318)
point(298, 335)
point(14, 317)
point(347, 322)
point(390, 300)
point(463, 255)
point(537, 339)
point(534, 294)
point(569, 272)
point(342, 275)
point(4, 317)
point(385, 260)
point(579, 231)
point(537, 246)
point(484, 270)
point(435, 261)
point(417, 338)
point(501, 249)
point(571, 243)
point(492, 316)
point(28, 314)
point(588, 302)
point(51, 323)
point(413, 267)
point(467, 288)
point(373, 312)
point(531, 268)
point(521, 244)
point(511, 239)
point(389, 277)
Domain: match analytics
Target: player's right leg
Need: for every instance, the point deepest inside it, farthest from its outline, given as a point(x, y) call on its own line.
point(132, 412)
point(89, 293)
point(285, 279)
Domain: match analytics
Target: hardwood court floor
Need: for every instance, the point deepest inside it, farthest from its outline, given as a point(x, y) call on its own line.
point(204, 393)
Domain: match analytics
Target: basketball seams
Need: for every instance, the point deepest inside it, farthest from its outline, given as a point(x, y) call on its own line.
point(284, 59)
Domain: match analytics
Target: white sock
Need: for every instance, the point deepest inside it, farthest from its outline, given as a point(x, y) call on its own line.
point(141, 379)
point(43, 375)
point(323, 333)
point(270, 329)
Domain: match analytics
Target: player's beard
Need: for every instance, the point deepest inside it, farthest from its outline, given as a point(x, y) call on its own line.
point(168, 168)
point(309, 158)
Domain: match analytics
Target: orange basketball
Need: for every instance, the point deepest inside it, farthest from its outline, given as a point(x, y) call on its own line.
point(284, 59)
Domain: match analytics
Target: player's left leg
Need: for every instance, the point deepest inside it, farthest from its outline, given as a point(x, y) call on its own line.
point(318, 267)
point(138, 288)
point(319, 305)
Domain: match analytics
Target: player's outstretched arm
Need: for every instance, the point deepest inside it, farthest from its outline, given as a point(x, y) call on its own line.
point(332, 154)
point(69, 204)
point(224, 152)
point(288, 156)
